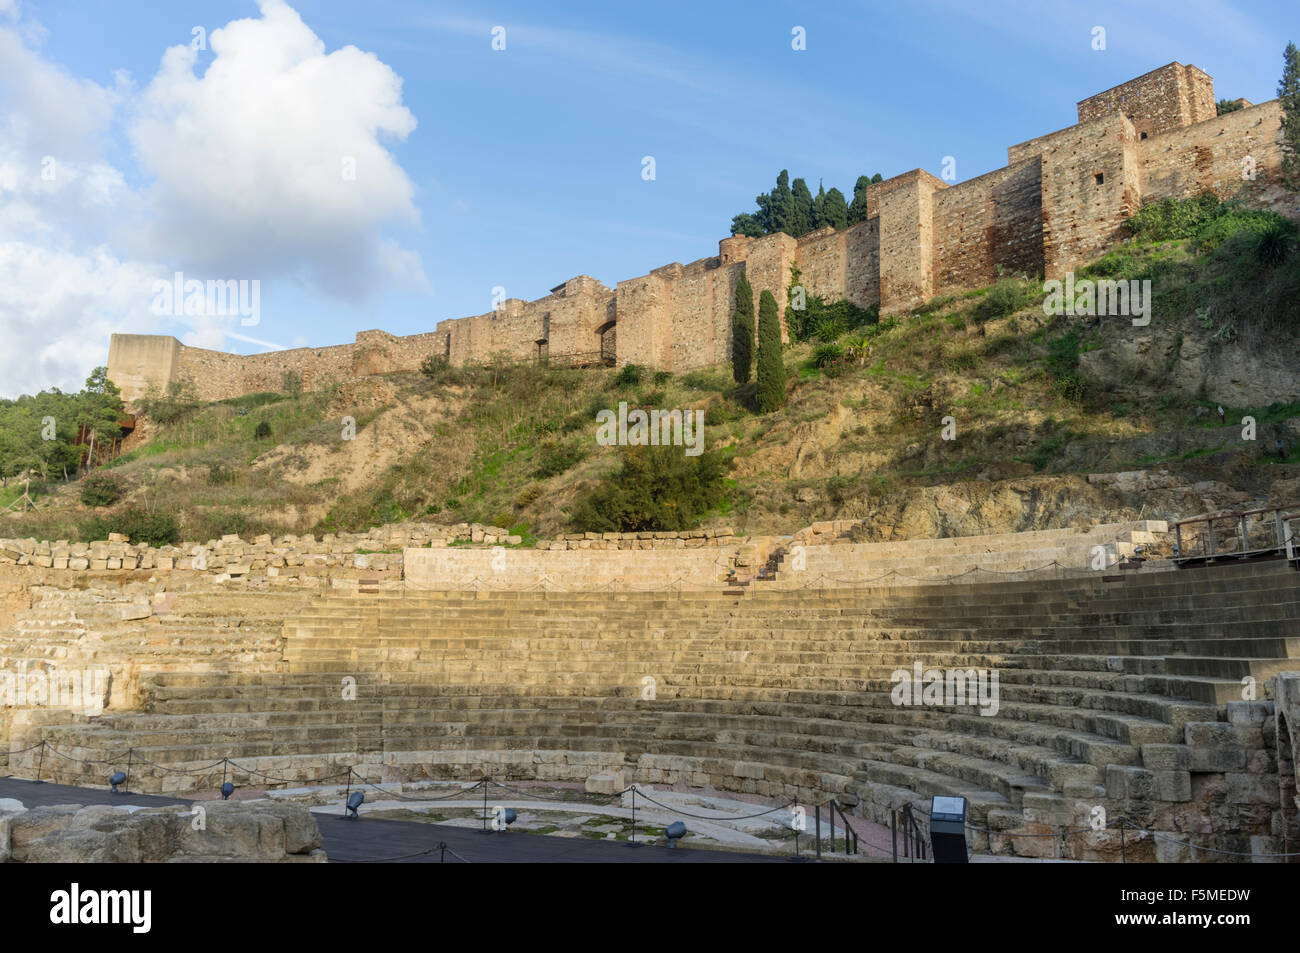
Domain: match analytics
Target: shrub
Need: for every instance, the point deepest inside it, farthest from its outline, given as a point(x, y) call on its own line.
point(102, 489)
point(1273, 244)
point(656, 489)
point(173, 405)
point(827, 354)
point(262, 431)
point(1203, 218)
point(1005, 297)
point(556, 458)
point(629, 375)
point(139, 525)
point(291, 383)
point(817, 314)
point(219, 475)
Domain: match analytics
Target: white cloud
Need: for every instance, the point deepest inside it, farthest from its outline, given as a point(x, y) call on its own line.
point(249, 158)
point(244, 165)
point(57, 309)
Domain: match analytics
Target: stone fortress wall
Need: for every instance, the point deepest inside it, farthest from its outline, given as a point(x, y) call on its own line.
point(1060, 201)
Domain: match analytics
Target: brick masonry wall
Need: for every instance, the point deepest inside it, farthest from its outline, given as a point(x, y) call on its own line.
point(992, 222)
point(1167, 98)
point(1208, 157)
point(1046, 211)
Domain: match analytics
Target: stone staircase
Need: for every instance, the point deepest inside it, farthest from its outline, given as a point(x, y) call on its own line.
point(1116, 690)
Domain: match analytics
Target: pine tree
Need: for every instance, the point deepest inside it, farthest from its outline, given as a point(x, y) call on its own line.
point(1288, 91)
point(858, 209)
point(742, 332)
point(802, 220)
point(819, 207)
point(747, 223)
point(771, 370)
point(100, 410)
point(835, 211)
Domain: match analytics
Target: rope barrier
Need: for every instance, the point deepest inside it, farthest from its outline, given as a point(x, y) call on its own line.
point(1118, 823)
point(407, 797)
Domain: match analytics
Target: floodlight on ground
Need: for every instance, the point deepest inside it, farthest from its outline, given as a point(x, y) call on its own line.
point(508, 817)
point(675, 832)
point(354, 802)
point(116, 779)
point(948, 829)
point(227, 789)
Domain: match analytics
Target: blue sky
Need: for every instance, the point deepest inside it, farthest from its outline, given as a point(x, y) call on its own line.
point(518, 168)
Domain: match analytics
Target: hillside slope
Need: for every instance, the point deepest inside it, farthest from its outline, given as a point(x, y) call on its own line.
point(1036, 406)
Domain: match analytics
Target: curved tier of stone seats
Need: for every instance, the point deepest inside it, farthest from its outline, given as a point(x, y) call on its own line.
point(779, 693)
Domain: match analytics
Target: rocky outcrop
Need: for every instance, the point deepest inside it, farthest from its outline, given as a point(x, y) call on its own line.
point(216, 832)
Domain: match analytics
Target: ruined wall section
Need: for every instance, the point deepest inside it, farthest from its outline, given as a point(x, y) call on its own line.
point(217, 374)
point(137, 361)
point(988, 226)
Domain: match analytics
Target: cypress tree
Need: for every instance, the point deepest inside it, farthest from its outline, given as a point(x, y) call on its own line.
point(1288, 91)
point(742, 332)
point(771, 371)
point(801, 221)
point(858, 210)
point(776, 208)
point(835, 211)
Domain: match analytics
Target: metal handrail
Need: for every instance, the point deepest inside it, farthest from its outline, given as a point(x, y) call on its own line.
point(914, 841)
point(1209, 545)
point(850, 835)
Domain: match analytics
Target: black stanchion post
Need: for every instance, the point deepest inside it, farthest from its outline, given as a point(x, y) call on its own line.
point(484, 782)
point(130, 754)
point(893, 832)
point(632, 841)
point(1123, 853)
point(40, 764)
point(817, 819)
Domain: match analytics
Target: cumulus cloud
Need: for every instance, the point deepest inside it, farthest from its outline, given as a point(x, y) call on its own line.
point(58, 308)
point(243, 164)
point(273, 161)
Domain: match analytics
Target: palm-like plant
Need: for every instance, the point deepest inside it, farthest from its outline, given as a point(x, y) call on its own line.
point(1274, 243)
point(858, 349)
point(827, 354)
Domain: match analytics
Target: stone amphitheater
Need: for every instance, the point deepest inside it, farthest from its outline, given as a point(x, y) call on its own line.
point(1144, 708)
